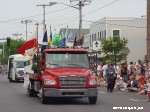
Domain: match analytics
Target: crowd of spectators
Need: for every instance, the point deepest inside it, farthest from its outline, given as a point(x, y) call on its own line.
point(132, 77)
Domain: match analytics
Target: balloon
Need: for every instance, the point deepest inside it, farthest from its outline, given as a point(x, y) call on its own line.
point(57, 40)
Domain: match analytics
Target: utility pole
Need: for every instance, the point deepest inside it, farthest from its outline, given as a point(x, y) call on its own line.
point(17, 34)
point(81, 4)
point(37, 39)
point(148, 30)
point(80, 18)
point(44, 5)
point(26, 22)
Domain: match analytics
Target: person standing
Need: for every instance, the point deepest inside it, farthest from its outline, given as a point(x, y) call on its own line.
point(110, 71)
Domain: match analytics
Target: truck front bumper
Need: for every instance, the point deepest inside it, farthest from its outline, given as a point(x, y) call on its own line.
point(20, 78)
point(52, 92)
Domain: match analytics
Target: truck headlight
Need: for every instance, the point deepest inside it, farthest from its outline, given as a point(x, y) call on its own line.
point(49, 82)
point(92, 82)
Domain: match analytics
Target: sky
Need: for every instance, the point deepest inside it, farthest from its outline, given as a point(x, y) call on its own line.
point(12, 12)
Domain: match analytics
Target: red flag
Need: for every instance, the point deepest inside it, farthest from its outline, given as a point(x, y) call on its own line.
point(27, 45)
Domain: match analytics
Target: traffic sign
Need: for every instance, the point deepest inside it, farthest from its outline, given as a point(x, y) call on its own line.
point(96, 45)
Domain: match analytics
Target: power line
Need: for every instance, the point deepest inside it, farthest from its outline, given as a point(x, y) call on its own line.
point(101, 7)
point(61, 15)
point(66, 22)
point(88, 13)
point(32, 16)
point(58, 11)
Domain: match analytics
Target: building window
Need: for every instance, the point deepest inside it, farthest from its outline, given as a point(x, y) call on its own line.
point(116, 33)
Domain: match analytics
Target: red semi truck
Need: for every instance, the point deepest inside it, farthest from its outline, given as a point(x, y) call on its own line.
point(65, 72)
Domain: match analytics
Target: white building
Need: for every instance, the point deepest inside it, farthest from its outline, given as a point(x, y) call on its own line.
point(134, 29)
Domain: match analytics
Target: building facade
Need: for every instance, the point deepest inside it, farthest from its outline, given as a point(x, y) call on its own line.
point(134, 29)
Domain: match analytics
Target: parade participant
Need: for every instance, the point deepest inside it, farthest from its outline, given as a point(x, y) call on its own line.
point(110, 71)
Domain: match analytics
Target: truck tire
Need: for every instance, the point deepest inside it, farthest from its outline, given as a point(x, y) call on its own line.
point(10, 80)
point(30, 91)
point(93, 100)
point(43, 98)
point(16, 79)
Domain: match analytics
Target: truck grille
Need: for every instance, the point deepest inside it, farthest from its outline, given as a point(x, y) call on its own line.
point(72, 81)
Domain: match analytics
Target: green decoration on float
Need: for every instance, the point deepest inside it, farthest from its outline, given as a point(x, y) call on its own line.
point(57, 40)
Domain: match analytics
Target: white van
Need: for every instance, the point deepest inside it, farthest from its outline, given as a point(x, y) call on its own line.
point(16, 65)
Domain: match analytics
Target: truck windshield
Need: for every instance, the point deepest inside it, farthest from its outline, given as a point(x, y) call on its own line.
point(20, 64)
point(67, 60)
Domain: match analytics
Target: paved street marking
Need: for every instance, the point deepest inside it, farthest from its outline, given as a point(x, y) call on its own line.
point(102, 92)
point(137, 100)
point(107, 92)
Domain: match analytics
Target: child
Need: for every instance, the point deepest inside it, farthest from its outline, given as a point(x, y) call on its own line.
point(142, 88)
point(148, 89)
point(120, 84)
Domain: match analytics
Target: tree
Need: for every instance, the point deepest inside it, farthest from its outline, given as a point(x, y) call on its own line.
point(14, 45)
point(114, 49)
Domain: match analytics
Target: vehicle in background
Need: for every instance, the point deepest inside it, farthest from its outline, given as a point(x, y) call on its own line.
point(16, 65)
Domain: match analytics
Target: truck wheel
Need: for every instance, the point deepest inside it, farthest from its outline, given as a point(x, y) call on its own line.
point(93, 100)
point(43, 98)
point(30, 91)
point(10, 80)
point(16, 79)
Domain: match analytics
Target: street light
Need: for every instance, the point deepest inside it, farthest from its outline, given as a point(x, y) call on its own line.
point(44, 5)
point(37, 24)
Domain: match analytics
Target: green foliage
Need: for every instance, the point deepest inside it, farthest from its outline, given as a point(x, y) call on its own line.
point(113, 46)
point(36, 63)
point(14, 45)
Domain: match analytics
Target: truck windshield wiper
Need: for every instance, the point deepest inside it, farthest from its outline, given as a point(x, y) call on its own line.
point(56, 64)
point(77, 65)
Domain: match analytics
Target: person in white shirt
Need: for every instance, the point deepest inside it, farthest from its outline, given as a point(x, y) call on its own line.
point(104, 70)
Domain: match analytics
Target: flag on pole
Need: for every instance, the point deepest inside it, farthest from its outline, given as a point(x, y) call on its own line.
point(66, 35)
point(45, 42)
point(28, 44)
point(70, 35)
point(63, 42)
point(75, 40)
point(50, 39)
point(80, 41)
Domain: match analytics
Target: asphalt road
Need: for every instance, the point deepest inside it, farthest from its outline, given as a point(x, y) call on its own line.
point(14, 98)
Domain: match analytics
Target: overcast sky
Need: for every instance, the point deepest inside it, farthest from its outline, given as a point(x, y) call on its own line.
point(59, 16)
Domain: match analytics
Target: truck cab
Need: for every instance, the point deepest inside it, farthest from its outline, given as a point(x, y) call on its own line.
point(65, 72)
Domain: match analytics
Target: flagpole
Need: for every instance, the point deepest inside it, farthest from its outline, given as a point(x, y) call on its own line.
point(50, 41)
point(37, 41)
